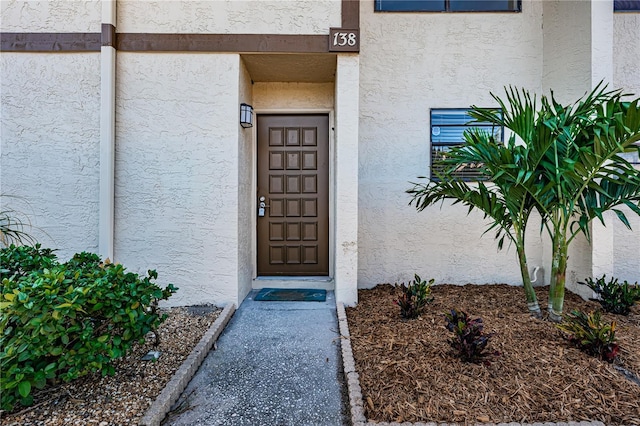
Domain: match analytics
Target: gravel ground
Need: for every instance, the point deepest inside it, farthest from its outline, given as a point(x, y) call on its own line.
point(121, 399)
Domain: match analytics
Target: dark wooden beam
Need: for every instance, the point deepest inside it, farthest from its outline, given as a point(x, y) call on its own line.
point(108, 37)
point(249, 43)
point(351, 14)
point(50, 42)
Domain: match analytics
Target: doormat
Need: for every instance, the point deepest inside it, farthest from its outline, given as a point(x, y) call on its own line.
point(291, 295)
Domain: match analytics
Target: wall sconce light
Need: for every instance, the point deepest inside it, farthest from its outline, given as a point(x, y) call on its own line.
point(246, 116)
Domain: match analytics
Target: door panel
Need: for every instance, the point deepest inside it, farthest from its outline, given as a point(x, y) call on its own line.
point(293, 176)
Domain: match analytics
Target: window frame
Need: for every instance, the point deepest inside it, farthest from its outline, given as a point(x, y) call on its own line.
point(421, 7)
point(633, 157)
point(626, 6)
point(468, 175)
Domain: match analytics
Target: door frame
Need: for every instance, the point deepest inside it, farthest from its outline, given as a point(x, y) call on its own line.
point(254, 202)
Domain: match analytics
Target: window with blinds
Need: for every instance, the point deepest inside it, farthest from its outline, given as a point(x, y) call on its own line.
point(447, 129)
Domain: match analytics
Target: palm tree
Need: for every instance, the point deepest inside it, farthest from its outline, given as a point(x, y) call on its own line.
point(583, 173)
point(563, 161)
point(501, 193)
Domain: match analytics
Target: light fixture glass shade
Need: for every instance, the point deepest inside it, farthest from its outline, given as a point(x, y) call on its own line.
point(246, 115)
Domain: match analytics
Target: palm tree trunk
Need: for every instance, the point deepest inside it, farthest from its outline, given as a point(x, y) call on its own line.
point(558, 278)
point(530, 293)
point(552, 277)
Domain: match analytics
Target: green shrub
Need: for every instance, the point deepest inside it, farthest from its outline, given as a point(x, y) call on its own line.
point(614, 297)
point(469, 340)
point(20, 261)
point(414, 297)
point(589, 333)
point(66, 320)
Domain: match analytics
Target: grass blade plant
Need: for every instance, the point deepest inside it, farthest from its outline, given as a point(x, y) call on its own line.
point(13, 225)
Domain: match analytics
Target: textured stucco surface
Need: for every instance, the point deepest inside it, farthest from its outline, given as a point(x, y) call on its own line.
point(458, 59)
point(571, 40)
point(346, 179)
point(601, 60)
point(292, 96)
point(579, 266)
point(626, 51)
point(583, 45)
point(246, 206)
point(50, 16)
point(185, 169)
point(50, 145)
point(626, 255)
point(567, 48)
point(177, 171)
point(236, 16)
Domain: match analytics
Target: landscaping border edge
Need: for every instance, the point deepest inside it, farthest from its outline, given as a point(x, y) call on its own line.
point(355, 391)
point(181, 378)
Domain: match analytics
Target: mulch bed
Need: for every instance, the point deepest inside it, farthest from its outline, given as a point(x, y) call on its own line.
point(408, 374)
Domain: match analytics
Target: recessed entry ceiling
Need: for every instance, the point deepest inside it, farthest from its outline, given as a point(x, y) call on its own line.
point(291, 68)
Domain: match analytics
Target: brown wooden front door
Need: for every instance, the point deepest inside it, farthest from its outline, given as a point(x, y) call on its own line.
point(293, 178)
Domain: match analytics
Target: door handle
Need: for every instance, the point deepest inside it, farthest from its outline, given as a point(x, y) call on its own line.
point(262, 202)
point(261, 206)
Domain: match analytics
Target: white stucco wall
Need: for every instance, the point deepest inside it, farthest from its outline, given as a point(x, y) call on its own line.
point(567, 54)
point(409, 63)
point(626, 52)
point(177, 171)
point(626, 65)
point(184, 167)
point(246, 206)
point(50, 145)
point(601, 42)
point(230, 16)
point(567, 48)
point(578, 46)
point(346, 245)
point(584, 43)
point(626, 254)
point(50, 16)
point(579, 265)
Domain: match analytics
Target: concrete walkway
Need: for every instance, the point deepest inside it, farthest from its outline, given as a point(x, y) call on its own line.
point(276, 364)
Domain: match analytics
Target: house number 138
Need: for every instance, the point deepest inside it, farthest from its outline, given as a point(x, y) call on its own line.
point(344, 39)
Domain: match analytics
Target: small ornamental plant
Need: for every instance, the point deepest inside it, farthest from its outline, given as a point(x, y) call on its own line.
point(61, 321)
point(590, 334)
point(616, 298)
point(469, 341)
point(414, 297)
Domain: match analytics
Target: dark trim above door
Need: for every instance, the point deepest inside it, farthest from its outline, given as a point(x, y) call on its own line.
point(242, 43)
point(177, 42)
